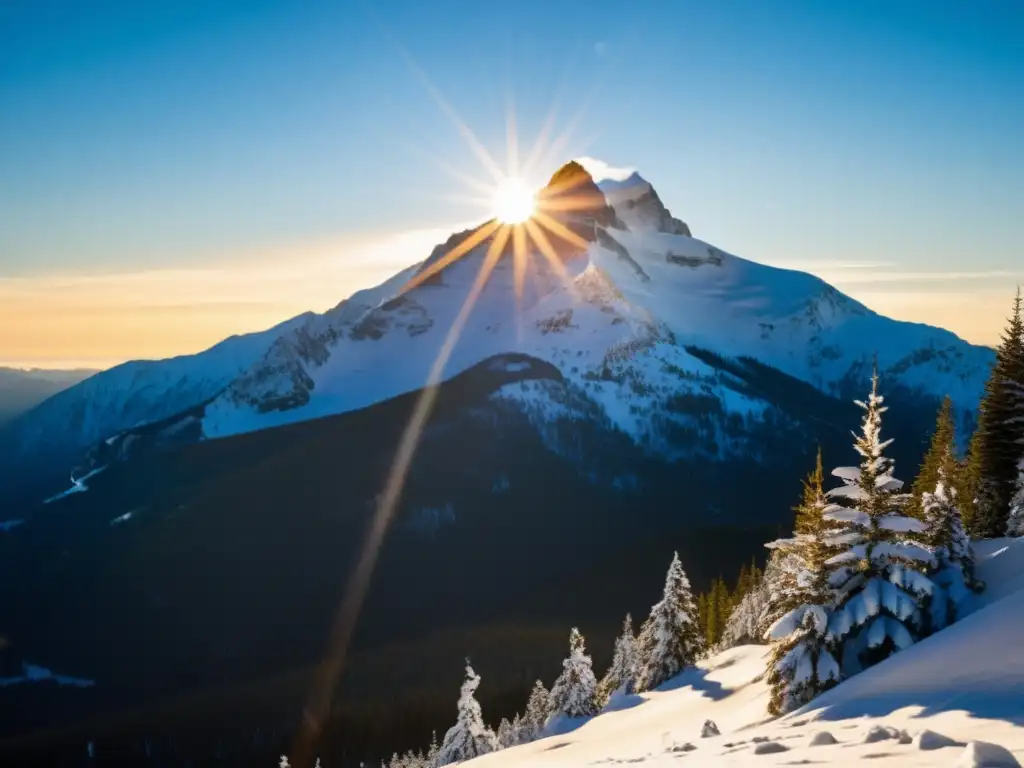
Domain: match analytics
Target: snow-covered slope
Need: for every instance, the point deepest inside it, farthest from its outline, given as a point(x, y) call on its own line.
point(619, 318)
point(628, 315)
point(963, 684)
point(134, 393)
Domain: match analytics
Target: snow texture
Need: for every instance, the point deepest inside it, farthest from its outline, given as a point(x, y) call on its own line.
point(974, 699)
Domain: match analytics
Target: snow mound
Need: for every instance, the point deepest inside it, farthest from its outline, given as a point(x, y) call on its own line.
point(960, 686)
point(980, 754)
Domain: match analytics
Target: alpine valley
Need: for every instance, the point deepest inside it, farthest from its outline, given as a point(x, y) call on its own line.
point(643, 392)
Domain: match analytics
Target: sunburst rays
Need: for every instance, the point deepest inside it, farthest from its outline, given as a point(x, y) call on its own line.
point(531, 236)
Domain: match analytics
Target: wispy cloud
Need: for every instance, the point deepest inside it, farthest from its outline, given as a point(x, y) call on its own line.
point(601, 170)
point(110, 317)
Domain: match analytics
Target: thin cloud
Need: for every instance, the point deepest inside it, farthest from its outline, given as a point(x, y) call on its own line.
point(164, 312)
point(601, 170)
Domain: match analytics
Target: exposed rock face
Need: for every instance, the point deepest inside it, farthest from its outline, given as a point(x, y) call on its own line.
point(572, 196)
point(637, 204)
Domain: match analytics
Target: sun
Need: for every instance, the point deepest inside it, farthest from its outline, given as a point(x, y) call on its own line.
point(513, 201)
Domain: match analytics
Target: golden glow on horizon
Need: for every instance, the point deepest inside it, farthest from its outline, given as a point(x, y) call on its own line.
point(513, 201)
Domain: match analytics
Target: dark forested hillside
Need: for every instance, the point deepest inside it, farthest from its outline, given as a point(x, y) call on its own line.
point(202, 614)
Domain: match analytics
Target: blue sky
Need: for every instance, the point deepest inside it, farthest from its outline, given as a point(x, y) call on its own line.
point(238, 162)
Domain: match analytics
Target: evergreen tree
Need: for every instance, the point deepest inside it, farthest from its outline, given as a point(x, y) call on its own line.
point(801, 664)
point(941, 451)
point(878, 576)
point(469, 737)
point(538, 710)
point(433, 751)
point(945, 533)
point(702, 615)
point(1015, 525)
point(505, 734)
point(670, 638)
point(621, 675)
point(745, 622)
point(953, 571)
point(723, 607)
point(1000, 433)
point(788, 564)
point(517, 729)
point(574, 693)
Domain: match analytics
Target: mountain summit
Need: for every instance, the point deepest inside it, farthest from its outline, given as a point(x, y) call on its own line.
point(637, 316)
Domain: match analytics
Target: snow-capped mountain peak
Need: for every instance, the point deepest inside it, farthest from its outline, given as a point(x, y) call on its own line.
point(620, 319)
point(637, 203)
point(640, 318)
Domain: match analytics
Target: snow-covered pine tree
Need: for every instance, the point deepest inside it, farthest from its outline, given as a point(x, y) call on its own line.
point(944, 531)
point(802, 665)
point(1015, 524)
point(940, 449)
point(996, 445)
point(469, 737)
point(433, 751)
point(621, 675)
point(953, 571)
point(517, 730)
point(744, 624)
point(505, 738)
point(878, 577)
point(670, 640)
point(574, 693)
point(538, 710)
point(787, 563)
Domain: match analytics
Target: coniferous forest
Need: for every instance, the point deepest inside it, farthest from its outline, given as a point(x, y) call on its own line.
point(872, 566)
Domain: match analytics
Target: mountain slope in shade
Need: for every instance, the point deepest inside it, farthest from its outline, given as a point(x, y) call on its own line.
point(619, 319)
point(959, 686)
point(127, 395)
point(22, 389)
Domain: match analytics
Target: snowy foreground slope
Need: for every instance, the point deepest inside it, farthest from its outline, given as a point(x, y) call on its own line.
point(963, 684)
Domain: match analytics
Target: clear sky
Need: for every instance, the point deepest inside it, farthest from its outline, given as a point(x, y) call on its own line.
point(173, 172)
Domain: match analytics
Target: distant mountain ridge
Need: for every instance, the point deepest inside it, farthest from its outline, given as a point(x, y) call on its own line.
point(23, 388)
point(53, 434)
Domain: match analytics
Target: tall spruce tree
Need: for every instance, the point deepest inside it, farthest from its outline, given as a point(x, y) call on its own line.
point(953, 571)
point(670, 639)
point(940, 450)
point(621, 675)
point(788, 563)
point(574, 693)
point(469, 737)
point(878, 576)
point(801, 664)
point(996, 447)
